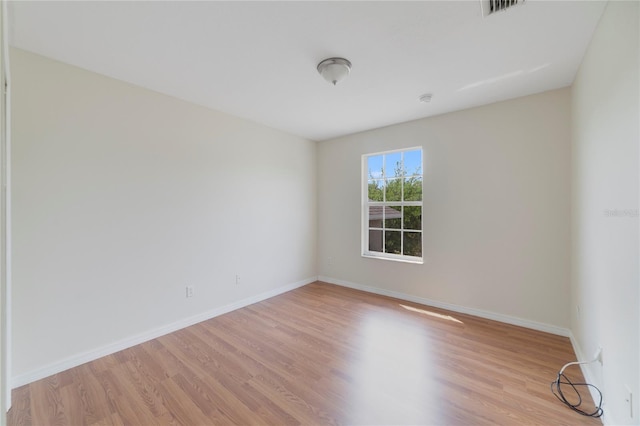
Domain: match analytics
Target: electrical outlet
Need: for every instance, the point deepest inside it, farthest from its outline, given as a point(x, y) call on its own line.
point(578, 311)
point(598, 355)
point(189, 291)
point(237, 279)
point(628, 398)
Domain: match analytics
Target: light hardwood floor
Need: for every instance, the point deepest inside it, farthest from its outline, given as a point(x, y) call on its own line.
point(320, 354)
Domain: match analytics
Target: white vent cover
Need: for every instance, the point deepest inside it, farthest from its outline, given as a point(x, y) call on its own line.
point(492, 6)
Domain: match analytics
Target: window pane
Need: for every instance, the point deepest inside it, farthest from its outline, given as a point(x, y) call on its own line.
point(413, 244)
point(376, 190)
point(375, 241)
point(413, 217)
point(394, 190)
point(375, 216)
point(374, 165)
point(413, 162)
point(413, 189)
point(393, 217)
point(392, 242)
point(393, 165)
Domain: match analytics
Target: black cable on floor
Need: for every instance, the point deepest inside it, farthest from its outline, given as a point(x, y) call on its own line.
point(556, 389)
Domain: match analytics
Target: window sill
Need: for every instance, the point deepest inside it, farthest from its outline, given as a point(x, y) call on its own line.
point(416, 261)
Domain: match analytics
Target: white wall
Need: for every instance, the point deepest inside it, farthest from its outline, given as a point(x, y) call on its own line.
point(5, 219)
point(496, 209)
point(123, 196)
point(606, 117)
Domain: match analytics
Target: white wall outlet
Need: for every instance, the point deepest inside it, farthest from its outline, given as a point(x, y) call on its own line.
point(628, 398)
point(237, 279)
point(189, 291)
point(598, 355)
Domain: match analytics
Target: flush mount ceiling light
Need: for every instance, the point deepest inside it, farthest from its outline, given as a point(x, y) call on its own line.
point(334, 70)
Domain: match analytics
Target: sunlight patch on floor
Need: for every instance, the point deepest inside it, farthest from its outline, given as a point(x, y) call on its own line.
point(432, 314)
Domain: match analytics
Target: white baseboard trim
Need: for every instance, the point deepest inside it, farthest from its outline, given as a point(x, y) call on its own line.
point(84, 357)
point(451, 307)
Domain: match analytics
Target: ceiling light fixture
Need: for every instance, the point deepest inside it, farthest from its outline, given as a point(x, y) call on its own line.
point(334, 70)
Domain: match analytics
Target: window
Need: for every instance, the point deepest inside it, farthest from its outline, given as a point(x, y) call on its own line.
point(392, 205)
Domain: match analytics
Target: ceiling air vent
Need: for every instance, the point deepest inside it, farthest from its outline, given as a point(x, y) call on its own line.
point(490, 7)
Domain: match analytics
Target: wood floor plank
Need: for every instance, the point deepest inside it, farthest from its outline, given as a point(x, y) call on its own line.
point(113, 419)
point(21, 406)
point(200, 395)
point(317, 355)
point(46, 403)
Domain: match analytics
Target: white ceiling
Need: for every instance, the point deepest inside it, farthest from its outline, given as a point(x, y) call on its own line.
point(258, 60)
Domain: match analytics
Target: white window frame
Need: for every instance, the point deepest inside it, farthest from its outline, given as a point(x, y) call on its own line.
point(366, 204)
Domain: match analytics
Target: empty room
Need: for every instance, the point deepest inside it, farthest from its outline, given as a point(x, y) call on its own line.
point(309, 213)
